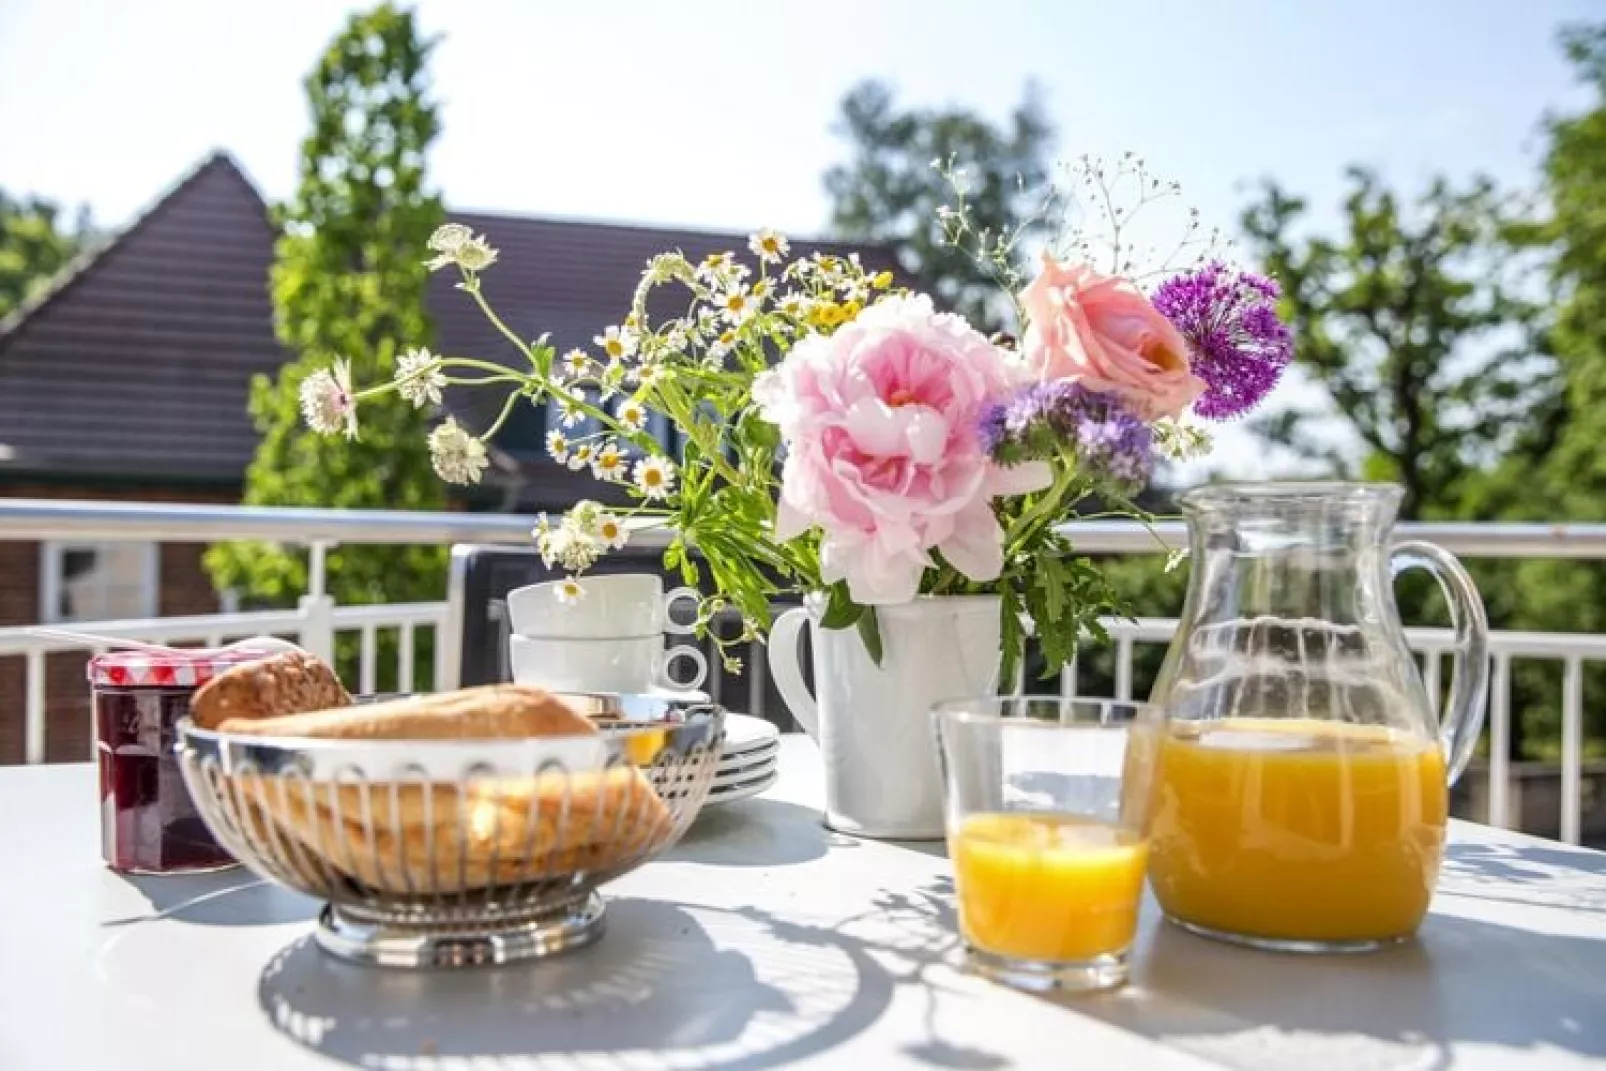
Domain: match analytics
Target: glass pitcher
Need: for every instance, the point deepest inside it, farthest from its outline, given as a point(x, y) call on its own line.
point(1303, 785)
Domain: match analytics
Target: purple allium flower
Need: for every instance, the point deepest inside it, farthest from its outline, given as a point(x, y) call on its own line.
point(1238, 345)
point(1111, 441)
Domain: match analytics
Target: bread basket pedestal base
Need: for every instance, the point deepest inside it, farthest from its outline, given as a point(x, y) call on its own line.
point(345, 933)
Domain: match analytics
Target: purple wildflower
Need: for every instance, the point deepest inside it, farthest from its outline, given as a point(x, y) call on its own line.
point(1111, 441)
point(1238, 345)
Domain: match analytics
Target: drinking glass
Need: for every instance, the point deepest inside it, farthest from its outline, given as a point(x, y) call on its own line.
point(1047, 813)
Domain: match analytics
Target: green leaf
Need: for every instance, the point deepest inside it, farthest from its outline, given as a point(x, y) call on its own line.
point(840, 609)
point(870, 632)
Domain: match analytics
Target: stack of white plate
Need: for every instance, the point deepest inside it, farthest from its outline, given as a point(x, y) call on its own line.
point(750, 762)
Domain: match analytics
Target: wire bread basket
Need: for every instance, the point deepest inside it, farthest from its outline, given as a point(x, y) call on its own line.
point(447, 852)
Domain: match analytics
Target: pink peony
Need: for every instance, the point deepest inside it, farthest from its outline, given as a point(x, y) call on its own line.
point(880, 420)
point(1100, 331)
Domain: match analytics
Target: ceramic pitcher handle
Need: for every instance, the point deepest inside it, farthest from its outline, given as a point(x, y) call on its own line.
point(786, 666)
point(1469, 681)
point(673, 627)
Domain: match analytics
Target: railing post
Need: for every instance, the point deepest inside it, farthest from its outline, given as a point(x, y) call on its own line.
point(317, 608)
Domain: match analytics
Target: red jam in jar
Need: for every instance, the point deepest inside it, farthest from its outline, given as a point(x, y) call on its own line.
point(148, 823)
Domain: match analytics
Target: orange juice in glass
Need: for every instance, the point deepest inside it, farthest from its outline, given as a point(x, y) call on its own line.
point(1047, 812)
point(1298, 830)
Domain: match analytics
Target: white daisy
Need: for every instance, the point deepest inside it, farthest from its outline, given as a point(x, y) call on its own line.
point(769, 246)
point(581, 456)
point(610, 463)
point(475, 255)
point(632, 414)
point(794, 304)
point(569, 591)
point(723, 344)
point(457, 456)
point(611, 531)
point(327, 402)
point(617, 343)
point(569, 413)
point(736, 304)
point(419, 378)
point(557, 445)
point(576, 363)
point(716, 265)
point(655, 476)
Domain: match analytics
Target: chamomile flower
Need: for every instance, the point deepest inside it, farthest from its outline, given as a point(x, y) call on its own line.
point(716, 266)
point(762, 290)
point(418, 378)
point(569, 413)
point(736, 304)
point(457, 456)
point(655, 476)
point(794, 304)
point(617, 343)
point(769, 246)
point(632, 414)
point(611, 531)
point(610, 463)
point(569, 591)
point(723, 344)
point(327, 402)
point(576, 363)
point(647, 374)
point(581, 456)
point(557, 445)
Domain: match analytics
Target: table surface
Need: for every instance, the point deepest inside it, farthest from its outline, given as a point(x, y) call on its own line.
point(765, 940)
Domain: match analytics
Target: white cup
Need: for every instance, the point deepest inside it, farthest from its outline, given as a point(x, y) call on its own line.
point(630, 665)
point(613, 606)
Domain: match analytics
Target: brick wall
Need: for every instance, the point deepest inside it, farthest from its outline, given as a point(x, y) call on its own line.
point(185, 589)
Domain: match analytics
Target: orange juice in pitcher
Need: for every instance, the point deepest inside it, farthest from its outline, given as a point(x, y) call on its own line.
point(1301, 791)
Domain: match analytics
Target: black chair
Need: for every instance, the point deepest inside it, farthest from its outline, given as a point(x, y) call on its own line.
point(477, 628)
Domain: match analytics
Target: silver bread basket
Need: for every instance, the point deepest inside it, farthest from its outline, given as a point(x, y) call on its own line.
point(455, 852)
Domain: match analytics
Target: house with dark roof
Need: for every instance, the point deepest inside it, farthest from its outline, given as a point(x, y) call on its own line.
point(128, 377)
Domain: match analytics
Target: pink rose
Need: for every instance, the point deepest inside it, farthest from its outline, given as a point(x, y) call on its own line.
point(880, 421)
point(1100, 331)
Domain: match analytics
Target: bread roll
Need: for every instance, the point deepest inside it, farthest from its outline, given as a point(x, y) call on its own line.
point(285, 683)
point(491, 712)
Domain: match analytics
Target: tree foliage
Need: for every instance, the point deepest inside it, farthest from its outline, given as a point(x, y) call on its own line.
point(348, 281)
point(889, 191)
point(34, 245)
point(1407, 321)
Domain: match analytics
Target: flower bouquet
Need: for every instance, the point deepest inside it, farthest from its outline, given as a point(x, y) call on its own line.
point(838, 434)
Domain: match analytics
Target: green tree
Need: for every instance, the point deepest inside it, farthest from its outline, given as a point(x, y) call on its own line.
point(889, 191)
point(34, 246)
point(1413, 321)
point(348, 281)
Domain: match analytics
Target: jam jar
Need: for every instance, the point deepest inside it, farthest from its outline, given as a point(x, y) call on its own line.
point(148, 823)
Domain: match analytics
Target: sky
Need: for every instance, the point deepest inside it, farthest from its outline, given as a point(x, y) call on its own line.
point(719, 113)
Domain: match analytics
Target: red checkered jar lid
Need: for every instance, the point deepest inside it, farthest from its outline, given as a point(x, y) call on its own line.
point(181, 669)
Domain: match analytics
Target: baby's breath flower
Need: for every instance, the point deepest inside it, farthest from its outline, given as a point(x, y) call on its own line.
point(569, 591)
point(610, 463)
point(611, 532)
point(557, 445)
point(327, 403)
point(419, 378)
point(769, 246)
point(617, 343)
point(581, 456)
point(457, 456)
point(632, 414)
point(655, 476)
point(576, 363)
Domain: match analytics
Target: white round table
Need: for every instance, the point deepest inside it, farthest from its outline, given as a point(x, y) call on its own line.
point(765, 940)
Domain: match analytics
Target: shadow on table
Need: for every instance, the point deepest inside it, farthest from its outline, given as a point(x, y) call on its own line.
point(1396, 1009)
point(1530, 873)
point(667, 986)
point(755, 832)
point(223, 898)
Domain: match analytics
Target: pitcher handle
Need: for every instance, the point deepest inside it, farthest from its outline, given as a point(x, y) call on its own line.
point(786, 667)
point(1469, 681)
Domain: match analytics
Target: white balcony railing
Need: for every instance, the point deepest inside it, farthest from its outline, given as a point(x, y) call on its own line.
point(316, 620)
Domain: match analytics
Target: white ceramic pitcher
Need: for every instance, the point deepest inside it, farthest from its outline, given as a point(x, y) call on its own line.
point(874, 723)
